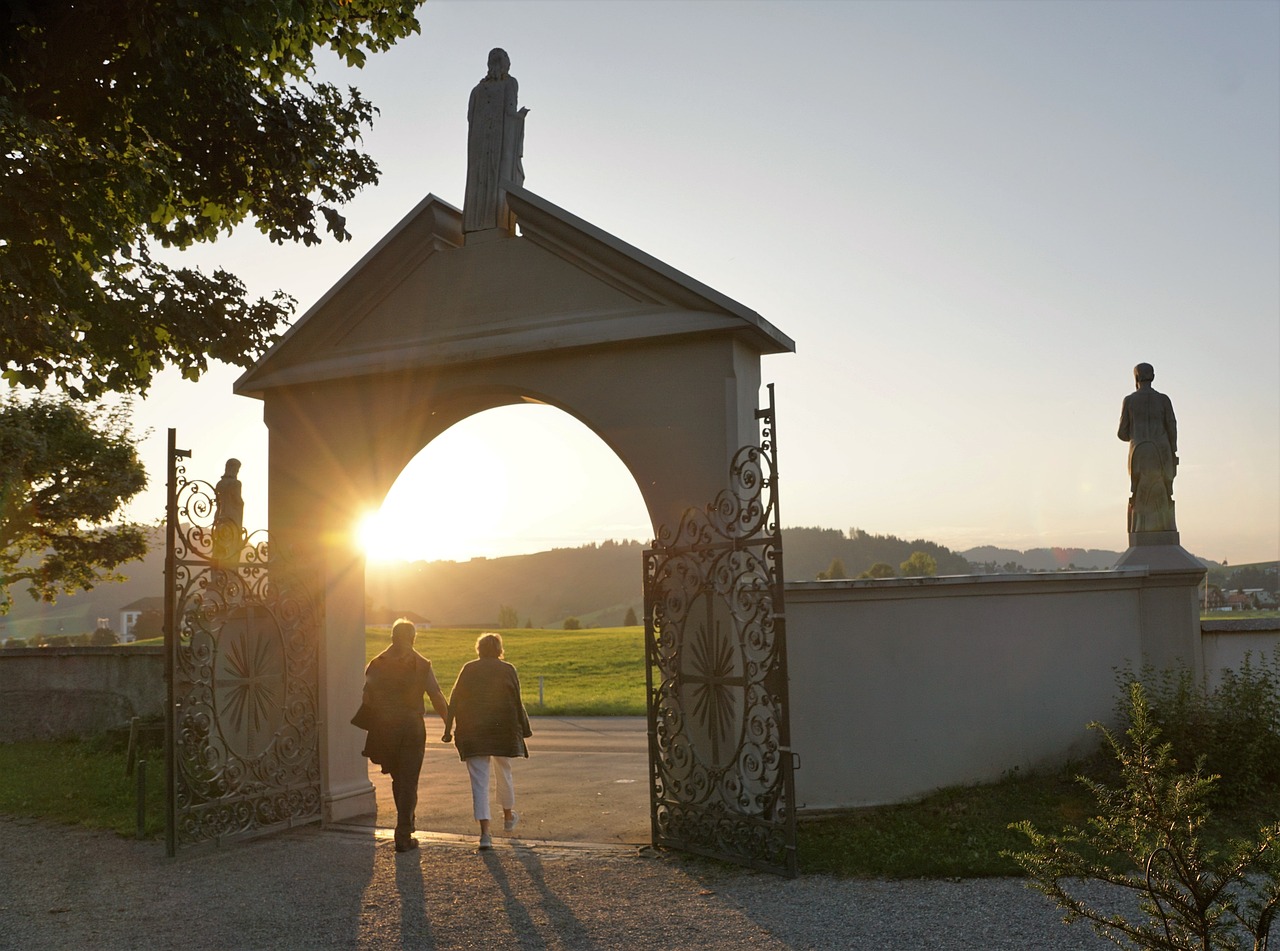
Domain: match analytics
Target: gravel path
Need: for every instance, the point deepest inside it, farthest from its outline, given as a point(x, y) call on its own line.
point(66, 888)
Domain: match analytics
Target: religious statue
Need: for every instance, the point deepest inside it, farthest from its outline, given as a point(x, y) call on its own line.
point(495, 145)
point(228, 515)
point(1148, 424)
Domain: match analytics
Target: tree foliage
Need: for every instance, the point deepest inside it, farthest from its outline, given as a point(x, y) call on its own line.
point(919, 564)
point(835, 571)
point(1146, 841)
point(508, 617)
point(103, 637)
point(130, 124)
point(65, 471)
point(879, 570)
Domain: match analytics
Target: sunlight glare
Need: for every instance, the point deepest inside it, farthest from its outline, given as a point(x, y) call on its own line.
point(512, 480)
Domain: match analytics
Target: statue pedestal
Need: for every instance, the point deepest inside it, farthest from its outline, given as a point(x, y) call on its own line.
point(1169, 601)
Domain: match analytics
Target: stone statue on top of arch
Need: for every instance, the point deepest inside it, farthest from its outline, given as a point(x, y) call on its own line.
point(495, 146)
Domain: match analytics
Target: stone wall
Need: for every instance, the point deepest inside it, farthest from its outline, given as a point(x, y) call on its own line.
point(48, 693)
point(1227, 642)
point(903, 686)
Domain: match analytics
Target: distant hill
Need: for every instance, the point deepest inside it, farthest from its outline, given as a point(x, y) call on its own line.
point(807, 551)
point(596, 583)
point(1042, 559)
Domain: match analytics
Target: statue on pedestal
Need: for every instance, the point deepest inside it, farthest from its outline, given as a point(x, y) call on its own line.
point(1148, 424)
point(495, 145)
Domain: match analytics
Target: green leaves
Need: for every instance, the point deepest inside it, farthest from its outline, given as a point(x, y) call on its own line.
point(127, 124)
point(1146, 839)
point(65, 471)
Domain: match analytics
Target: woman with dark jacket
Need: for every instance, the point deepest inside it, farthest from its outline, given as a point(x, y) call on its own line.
point(490, 723)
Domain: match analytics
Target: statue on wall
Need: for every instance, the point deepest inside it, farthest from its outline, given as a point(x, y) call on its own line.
point(1147, 423)
point(495, 146)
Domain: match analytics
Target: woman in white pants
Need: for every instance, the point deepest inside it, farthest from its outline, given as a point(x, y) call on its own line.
point(489, 724)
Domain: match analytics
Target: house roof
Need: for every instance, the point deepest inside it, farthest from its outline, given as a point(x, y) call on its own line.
point(422, 298)
point(145, 604)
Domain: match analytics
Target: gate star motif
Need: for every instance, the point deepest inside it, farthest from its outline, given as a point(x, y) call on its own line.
point(251, 681)
point(712, 681)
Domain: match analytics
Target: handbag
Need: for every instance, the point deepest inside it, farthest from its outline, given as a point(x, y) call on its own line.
point(364, 718)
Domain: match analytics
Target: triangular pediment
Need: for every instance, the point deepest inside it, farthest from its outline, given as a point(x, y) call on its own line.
point(424, 297)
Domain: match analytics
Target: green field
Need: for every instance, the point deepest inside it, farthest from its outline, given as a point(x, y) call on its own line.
point(595, 672)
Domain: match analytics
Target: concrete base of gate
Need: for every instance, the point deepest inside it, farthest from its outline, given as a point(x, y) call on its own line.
point(586, 781)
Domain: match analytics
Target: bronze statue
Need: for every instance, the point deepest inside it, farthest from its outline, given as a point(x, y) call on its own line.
point(1148, 424)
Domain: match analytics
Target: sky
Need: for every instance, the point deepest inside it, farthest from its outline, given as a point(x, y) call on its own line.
point(972, 218)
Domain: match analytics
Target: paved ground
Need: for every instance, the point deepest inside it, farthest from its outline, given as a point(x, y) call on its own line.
point(586, 780)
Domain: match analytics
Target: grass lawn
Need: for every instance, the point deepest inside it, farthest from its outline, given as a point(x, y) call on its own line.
point(81, 782)
point(594, 672)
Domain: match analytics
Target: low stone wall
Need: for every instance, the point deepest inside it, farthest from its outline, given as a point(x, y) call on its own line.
point(900, 687)
point(1227, 642)
point(49, 693)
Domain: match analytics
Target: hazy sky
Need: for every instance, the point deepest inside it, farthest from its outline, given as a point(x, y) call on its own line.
point(972, 218)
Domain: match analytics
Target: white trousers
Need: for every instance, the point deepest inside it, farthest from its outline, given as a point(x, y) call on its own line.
point(478, 769)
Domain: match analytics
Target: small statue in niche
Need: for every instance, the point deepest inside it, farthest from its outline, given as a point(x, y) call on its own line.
point(228, 515)
point(495, 146)
point(1148, 424)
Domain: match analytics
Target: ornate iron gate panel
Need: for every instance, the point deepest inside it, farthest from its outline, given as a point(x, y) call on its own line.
point(720, 759)
point(241, 637)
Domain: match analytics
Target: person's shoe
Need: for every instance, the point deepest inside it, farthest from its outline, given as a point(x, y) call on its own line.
point(486, 842)
point(406, 843)
point(509, 824)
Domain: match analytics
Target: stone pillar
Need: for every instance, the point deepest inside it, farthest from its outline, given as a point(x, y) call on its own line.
point(1168, 606)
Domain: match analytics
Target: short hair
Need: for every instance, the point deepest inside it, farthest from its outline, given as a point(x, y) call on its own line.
point(489, 645)
point(1144, 373)
point(403, 628)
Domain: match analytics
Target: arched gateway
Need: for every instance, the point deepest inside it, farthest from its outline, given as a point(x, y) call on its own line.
point(434, 325)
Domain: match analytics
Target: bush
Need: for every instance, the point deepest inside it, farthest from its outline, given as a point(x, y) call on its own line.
point(103, 637)
point(572, 624)
point(1146, 841)
point(1233, 729)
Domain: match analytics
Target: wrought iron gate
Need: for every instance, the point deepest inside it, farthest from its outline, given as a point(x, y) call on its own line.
point(720, 759)
point(241, 629)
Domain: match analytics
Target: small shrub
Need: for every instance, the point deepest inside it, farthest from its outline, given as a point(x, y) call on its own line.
point(1146, 840)
point(1234, 729)
point(103, 637)
point(572, 624)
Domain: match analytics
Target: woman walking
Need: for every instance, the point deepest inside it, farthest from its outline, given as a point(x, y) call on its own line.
point(490, 725)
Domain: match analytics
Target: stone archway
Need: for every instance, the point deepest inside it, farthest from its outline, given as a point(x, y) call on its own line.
point(430, 328)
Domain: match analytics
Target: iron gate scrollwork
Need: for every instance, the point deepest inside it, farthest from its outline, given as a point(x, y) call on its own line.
point(720, 760)
point(241, 630)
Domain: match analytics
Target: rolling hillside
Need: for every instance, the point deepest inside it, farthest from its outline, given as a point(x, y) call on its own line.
point(596, 583)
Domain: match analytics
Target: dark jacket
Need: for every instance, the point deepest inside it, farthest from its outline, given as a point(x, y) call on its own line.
point(392, 706)
point(485, 712)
